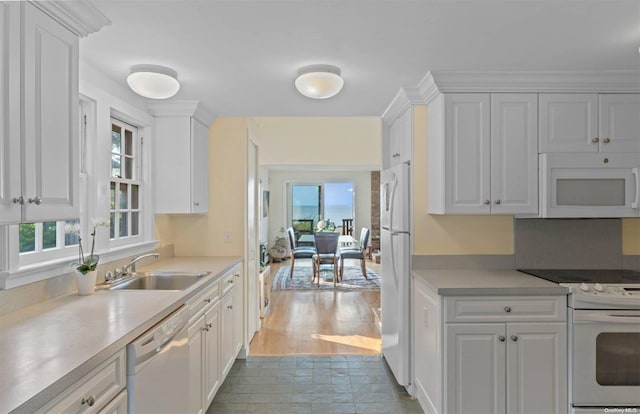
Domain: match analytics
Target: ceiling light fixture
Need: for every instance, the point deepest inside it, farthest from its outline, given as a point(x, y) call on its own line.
point(152, 81)
point(319, 81)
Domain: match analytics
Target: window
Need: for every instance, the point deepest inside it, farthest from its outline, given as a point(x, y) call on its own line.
point(328, 201)
point(124, 185)
point(47, 240)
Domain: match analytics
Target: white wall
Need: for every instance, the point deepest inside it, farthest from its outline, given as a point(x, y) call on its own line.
point(278, 180)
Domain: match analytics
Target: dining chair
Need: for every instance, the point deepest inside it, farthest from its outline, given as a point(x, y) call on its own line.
point(327, 249)
point(355, 253)
point(302, 252)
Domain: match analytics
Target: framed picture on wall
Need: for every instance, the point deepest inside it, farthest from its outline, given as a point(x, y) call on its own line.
point(265, 203)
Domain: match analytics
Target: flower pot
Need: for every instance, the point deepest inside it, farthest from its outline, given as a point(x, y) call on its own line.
point(86, 283)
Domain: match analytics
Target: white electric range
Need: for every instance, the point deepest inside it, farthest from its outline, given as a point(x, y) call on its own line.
point(604, 338)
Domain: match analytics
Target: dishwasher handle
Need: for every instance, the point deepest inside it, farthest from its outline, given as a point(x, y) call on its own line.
point(157, 338)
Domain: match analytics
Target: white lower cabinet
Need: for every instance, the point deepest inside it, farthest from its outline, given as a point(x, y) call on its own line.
point(489, 354)
point(95, 392)
point(506, 368)
point(226, 340)
point(212, 374)
point(196, 366)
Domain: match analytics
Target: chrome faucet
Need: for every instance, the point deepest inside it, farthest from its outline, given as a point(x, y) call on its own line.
point(131, 267)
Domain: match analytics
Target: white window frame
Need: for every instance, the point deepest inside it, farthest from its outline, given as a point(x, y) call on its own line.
point(95, 173)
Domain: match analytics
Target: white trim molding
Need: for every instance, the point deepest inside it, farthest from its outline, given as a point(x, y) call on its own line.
point(181, 108)
point(81, 17)
point(401, 102)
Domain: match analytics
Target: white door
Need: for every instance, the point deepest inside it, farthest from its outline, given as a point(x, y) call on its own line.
point(10, 104)
point(475, 374)
point(536, 368)
point(199, 167)
point(51, 125)
point(619, 122)
point(568, 122)
point(467, 152)
point(514, 153)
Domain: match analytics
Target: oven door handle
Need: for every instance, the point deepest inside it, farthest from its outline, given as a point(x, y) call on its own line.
point(627, 319)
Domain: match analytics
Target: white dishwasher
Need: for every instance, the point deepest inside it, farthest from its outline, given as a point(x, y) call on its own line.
point(158, 368)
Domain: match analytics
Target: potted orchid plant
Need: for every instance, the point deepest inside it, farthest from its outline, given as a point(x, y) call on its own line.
point(86, 266)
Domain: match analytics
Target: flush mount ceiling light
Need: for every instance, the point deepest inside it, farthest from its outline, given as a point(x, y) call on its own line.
point(155, 82)
point(319, 81)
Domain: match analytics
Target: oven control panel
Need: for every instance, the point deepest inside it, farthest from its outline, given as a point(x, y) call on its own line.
point(597, 289)
point(604, 296)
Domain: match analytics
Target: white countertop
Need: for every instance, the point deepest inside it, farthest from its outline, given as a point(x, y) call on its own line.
point(47, 347)
point(490, 282)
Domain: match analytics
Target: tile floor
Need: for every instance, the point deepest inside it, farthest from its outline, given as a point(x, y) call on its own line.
point(310, 385)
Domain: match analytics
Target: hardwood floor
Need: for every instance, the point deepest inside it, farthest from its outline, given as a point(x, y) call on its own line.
point(319, 322)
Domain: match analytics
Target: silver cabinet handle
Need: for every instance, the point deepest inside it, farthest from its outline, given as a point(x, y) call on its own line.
point(507, 309)
point(487, 202)
point(514, 338)
point(209, 325)
point(205, 329)
point(595, 140)
point(18, 200)
point(237, 274)
point(196, 204)
point(230, 281)
point(498, 201)
point(36, 200)
point(501, 338)
point(230, 307)
point(90, 400)
point(207, 300)
point(606, 140)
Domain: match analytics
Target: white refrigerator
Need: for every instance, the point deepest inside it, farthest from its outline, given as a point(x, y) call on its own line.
point(395, 252)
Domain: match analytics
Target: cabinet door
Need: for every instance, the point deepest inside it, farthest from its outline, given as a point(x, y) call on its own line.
point(10, 105)
point(238, 337)
point(395, 134)
point(514, 153)
point(568, 122)
point(199, 167)
point(196, 367)
point(467, 152)
point(50, 157)
point(537, 368)
point(475, 368)
point(117, 406)
point(619, 122)
point(226, 339)
point(212, 353)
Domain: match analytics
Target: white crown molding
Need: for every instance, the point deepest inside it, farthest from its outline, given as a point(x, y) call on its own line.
point(180, 108)
point(81, 17)
point(531, 81)
point(403, 100)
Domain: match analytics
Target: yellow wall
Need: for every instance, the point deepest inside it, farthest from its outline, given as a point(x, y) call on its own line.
point(631, 236)
point(450, 235)
point(203, 235)
point(352, 142)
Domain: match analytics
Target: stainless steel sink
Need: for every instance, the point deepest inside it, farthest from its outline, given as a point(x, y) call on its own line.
point(171, 280)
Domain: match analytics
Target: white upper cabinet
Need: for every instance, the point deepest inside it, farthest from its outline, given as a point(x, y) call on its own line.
point(39, 145)
point(581, 122)
point(619, 122)
point(181, 167)
point(482, 153)
point(401, 138)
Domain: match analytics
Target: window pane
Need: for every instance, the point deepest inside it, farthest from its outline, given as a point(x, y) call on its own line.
point(112, 225)
point(338, 202)
point(128, 167)
point(123, 196)
point(115, 165)
point(71, 238)
point(134, 197)
point(112, 204)
point(128, 142)
point(27, 237)
point(134, 224)
point(116, 145)
point(306, 202)
point(123, 224)
point(49, 235)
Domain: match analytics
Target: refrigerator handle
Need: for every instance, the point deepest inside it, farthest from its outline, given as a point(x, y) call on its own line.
point(394, 271)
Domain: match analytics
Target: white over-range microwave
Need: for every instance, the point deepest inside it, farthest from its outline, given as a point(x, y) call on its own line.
point(589, 185)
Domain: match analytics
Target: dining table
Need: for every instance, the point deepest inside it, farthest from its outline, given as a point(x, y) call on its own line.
point(343, 241)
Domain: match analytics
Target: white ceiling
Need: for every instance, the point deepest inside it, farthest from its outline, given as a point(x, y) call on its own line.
point(239, 58)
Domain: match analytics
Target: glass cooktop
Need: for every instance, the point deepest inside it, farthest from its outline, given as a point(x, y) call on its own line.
point(610, 276)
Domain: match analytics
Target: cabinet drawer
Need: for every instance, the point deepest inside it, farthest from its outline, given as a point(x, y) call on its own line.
point(227, 282)
point(197, 304)
point(94, 390)
point(117, 406)
point(505, 308)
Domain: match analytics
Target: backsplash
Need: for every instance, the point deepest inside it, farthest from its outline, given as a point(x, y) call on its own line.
point(568, 243)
